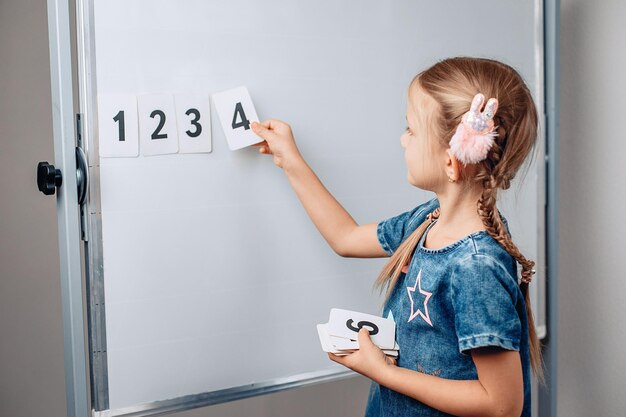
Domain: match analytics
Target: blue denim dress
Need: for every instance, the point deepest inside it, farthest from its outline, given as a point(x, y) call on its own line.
point(450, 300)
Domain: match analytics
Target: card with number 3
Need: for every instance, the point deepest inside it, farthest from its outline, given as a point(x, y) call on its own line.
point(236, 113)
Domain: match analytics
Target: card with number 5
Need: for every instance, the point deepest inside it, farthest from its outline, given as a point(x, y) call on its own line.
point(346, 323)
point(236, 113)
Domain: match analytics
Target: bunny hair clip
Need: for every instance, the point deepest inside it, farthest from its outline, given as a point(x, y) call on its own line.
point(476, 132)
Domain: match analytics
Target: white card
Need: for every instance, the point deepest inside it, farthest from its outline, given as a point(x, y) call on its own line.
point(392, 353)
point(346, 323)
point(322, 332)
point(323, 335)
point(193, 117)
point(117, 125)
point(157, 124)
point(341, 343)
point(236, 113)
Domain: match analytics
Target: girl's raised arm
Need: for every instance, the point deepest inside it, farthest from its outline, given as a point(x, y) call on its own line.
point(342, 233)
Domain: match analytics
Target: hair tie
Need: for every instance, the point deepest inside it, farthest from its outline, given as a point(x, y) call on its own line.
point(527, 276)
point(475, 135)
point(434, 215)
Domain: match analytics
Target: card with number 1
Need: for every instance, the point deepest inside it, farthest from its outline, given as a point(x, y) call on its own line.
point(236, 113)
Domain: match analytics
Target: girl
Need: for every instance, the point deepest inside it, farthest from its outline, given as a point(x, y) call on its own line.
point(464, 324)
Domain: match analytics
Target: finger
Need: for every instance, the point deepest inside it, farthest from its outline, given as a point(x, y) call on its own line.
point(364, 338)
point(334, 358)
point(261, 130)
point(477, 103)
point(270, 124)
point(490, 108)
point(262, 143)
point(391, 361)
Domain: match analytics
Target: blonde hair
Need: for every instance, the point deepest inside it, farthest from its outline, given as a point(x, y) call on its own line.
point(452, 84)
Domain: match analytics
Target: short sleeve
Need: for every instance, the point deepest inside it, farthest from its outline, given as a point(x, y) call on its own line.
point(393, 231)
point(484, 299)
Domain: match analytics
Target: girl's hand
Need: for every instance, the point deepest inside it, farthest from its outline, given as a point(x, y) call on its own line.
point(369, 360)
point(278, 141)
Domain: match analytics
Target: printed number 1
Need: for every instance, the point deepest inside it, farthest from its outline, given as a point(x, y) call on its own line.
point(119, 117)
point(245, 123)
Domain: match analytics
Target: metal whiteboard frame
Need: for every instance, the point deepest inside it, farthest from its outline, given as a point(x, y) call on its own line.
point(69, 230)
point(547, 398)
point(68, 210)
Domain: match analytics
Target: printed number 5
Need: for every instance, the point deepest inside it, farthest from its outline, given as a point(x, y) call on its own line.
point(245, 123)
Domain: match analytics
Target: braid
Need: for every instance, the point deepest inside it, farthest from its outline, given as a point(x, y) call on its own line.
point(495, 227)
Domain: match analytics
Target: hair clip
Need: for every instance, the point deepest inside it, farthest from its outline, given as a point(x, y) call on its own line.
point(475, 135)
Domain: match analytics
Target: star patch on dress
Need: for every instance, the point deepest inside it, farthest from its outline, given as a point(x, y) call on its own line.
point(415, 311)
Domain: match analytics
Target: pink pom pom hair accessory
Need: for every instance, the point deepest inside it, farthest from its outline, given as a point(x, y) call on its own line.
point(475, 135)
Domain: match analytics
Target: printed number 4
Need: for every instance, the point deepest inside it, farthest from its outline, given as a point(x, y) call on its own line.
point(245, 123)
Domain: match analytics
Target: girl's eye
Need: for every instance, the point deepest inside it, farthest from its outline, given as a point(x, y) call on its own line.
point(408, 130)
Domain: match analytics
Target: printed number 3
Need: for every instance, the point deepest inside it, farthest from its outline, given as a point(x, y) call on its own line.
point(245, 123)
point(194, 122)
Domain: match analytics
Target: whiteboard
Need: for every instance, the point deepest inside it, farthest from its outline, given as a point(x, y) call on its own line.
point(213, 276)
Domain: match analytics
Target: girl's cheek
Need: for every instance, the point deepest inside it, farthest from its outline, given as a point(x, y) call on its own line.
point(404, 140)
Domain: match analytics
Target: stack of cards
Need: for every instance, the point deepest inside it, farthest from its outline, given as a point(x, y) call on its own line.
point(340, 334)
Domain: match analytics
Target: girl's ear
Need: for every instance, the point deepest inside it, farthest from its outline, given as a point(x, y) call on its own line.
point(452, 167)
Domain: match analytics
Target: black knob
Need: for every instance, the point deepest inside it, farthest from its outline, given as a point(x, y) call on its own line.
point(48, 178)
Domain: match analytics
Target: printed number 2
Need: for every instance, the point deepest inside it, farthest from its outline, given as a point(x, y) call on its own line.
point(119, 117)
point(157, 132)
point(245, 123)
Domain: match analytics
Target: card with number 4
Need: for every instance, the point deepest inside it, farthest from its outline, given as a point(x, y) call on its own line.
point(236, 113)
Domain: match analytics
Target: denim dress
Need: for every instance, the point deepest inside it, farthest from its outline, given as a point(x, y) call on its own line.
point(451, 300)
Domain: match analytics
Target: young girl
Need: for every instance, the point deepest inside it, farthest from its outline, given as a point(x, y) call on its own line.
point(464, 324)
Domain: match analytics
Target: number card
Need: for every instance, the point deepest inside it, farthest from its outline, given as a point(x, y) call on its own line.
point(157, 124)
point(118, 126)
point(236, 112)
point(193, 117)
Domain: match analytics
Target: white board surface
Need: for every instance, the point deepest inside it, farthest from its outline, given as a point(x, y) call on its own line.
point(214, 276)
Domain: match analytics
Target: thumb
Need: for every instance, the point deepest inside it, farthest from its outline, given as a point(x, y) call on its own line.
point(364, 338)
point(262, 131)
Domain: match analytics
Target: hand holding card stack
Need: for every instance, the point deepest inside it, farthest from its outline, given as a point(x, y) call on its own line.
point(340, 335)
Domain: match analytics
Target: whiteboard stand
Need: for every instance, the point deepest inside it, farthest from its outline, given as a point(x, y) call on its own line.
point(84, 400)
point(67, 209)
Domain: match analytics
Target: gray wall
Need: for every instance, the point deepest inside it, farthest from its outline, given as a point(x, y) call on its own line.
point(31, 336)
point(592, 368)
point(592, 285)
